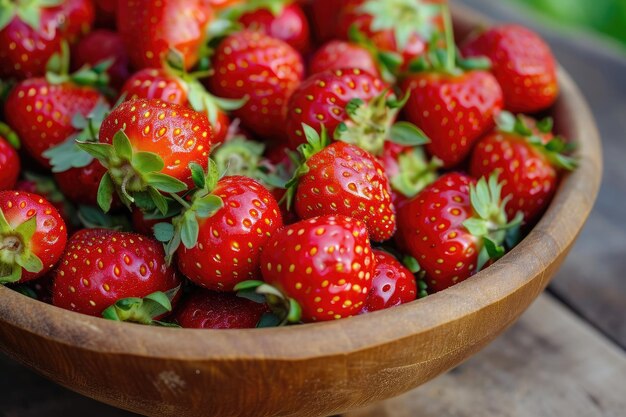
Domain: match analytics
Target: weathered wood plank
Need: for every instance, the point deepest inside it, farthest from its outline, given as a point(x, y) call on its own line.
point(550, 363)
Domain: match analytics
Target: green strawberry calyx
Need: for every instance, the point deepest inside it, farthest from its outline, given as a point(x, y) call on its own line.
point(143, 310)
point(284, 309)
point(239, 156)
point(276, 7)
point(7, 133)
point(15, 251)
point(489, 221)
point(28, 11)
point(415, 172)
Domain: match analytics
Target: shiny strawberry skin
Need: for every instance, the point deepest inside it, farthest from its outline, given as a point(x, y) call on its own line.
point(213, 310)
point(453, 110)
point(9, 165)
point(323, 97)
point(102, 266)
point(150, 28)
point(523, 64)
point(65, 22)
point(41, 113)
point(230, 241)
point(290, 25)
point(430, 228)
point(393, 284)
point(526, 174)
point(265, 69)
point(102, 45)
point(325, 263)
point(344, 179)
point(80, 185)
point(48, 241)
point(337, 54)
point(176, 133)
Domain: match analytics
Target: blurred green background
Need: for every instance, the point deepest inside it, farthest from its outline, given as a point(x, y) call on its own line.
point(606, 17)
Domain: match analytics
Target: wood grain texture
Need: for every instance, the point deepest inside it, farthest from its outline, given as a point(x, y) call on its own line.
point(550, 363)
point(317, 369)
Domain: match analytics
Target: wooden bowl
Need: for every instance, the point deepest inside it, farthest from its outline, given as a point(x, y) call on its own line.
point(316, 369)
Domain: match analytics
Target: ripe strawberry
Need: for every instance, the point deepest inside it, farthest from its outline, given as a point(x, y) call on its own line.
point(324, 18)
point(99, 46)
point(151, 28)
point(147, 146)
point(101, 267)
point(454, 227)
point(143, 222)
point(325, 264)
point(32, 236)
point(264, 69)
point(336, 55)
point(80, 185)
point(522, 63)
point(41, 113)
point(9, 162)
point(392, 284)
point(342, 179)
point(526, 157)
point(212, 310)
point(31, 32)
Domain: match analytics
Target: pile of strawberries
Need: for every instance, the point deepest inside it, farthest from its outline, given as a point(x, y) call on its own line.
point(229, 164)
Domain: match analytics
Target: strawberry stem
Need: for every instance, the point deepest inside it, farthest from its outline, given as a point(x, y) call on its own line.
point(449, 38)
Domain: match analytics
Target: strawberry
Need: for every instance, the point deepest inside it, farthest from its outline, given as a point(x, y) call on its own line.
point(338, 54)
point(147, 146)
point(32, 236)
point(392, 284)
point(264, 69)
point(32, 31)
point(454, 227)
point(80, 185)
point(151, 28)
point(527, 159)
point(9, 159)
point(522, 63)
point(213, 310)
point(102, 267)
point(342, 179)
point(321, 267)
point(324, 18)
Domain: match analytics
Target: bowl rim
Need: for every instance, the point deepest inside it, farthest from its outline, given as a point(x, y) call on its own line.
point(560, 225)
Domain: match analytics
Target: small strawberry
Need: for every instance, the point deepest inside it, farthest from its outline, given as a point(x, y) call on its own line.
point(337, 54)
point(527, 159)
point(9, 159)
point(31, 32)
point(147, 146)
point(522, 63)
point(454, 227)
point(264, 69)
point(213, 310)
point(102, 267)
point(392, 284)
point(151, 28)
point(80, 185)
point(342, 179)
point(32, 236)
point(100, 46)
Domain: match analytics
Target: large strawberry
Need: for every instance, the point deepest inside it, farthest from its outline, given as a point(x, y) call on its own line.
point(102, 267)
point(31, 31)
point(32, 236)
point(9, 159)
point(338, 54)
point(264, 69)
point(527, 159)
point(321, 267)
point(147, 146)
point(523, 64)
point(151, 28)
point(454, 227)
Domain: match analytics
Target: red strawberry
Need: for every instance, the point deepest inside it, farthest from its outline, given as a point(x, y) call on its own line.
point(143, 223)
point(103, 45)
point(324, 18)
point(453, 228)
point(525, 161)
point(31, 32)
point(342, 179)
point(101, 267)
point(147, 146)
point(32, 236)
point(280, 20)
point(336, 55)
point(9, 164)
point(325, 264)
point(41, 113)
point(212, 310)
point(151, 28)
point(523, 64)
point(392, 284)
point(264, 69)
point(80, 185)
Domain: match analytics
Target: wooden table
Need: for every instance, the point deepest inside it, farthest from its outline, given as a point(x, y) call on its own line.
point(565, 357)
